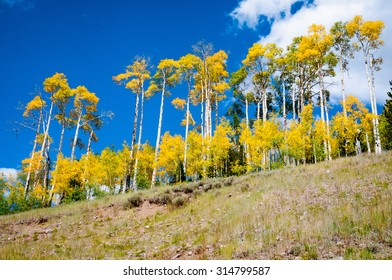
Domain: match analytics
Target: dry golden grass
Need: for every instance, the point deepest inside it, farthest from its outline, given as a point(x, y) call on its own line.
point(331, 210)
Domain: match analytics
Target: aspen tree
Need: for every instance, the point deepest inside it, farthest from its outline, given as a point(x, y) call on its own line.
point(110, 167)
point(146, 162)
point(133, 79)
point(303, 75)
point(141, 72)
point(55, 86)
point(244, 139)
point(282, 82)
point(62, 100)
point(346, 126)
point(368, 35)
point(341, 44)
point(260, 62)
point(220, 147)
point(196, 159)
point(165, 77)
point(202, 86)
point(315, 48)
point(66, 177)
point(170, 158)
point(188, 67)
point(85, 103)
point(239, 83)
point(218, 85)
point(34, 109)
point(92, 173)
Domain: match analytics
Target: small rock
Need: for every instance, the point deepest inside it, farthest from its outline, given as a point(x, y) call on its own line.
point(49, 230)
point(147, 227)
point(176, 256)
point(229, 195)
point(190, 253)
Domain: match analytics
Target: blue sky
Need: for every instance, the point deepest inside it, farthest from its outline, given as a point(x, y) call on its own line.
point(92, 40)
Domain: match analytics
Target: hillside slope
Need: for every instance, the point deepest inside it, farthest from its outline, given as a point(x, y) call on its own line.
point(331, 210)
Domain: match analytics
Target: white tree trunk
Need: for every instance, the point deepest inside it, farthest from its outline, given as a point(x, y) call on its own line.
point(322, 107)
point(284, 107)
point(133, 141)
point(247, 111)
point(76, 136)
point(186, 127)
point(46, 134)
point(28, 176)
point(265, 108)
point(377, 140)
point(135, 170)
point(373, 102)
point(89, 142)
point(154, 172)
point(342, 82)
point(327, 124)
point(44, 142)
point(202, 112)
point(216, 112)
point(293, 99)
point(61, 138)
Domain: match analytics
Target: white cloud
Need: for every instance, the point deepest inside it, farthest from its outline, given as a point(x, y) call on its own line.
point(24, 4)
point(326, 12)
point(248, 12)
point(8, 172)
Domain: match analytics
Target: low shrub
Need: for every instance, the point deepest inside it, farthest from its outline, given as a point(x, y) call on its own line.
point(179, 201)
point(135, 200)
point(162, 198)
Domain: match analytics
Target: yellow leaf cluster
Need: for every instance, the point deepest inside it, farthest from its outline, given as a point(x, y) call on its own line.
point(36, 104)
point(179, 103)
point(66, 171)
point(220, 144)
point(134, 75)
point(316, 45)
point(195, 154)
point(168, 65)
point(55, 83)
point(33, 163)
point(85, 99)
point(171, 154)
point(366, 31)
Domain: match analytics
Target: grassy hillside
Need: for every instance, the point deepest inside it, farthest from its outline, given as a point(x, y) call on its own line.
point(332, 210)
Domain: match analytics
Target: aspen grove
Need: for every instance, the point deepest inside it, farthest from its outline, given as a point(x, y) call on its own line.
point(284, 87)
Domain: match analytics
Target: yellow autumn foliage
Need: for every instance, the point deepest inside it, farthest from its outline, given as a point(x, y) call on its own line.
point(171, 156)
point(34, 105)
